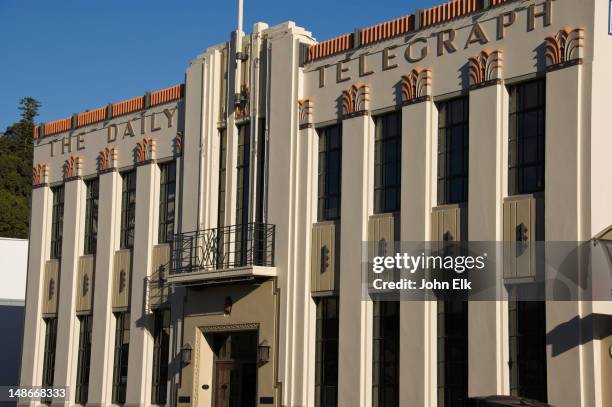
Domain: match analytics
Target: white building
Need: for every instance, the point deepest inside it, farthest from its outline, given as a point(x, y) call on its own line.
point(201, 245)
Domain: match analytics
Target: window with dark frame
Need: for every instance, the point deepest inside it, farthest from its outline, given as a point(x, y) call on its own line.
point(57, 222)
point(222, 177)
point(526, 138)
point(49, 354)
point(120, 365)
point(385, 366)
point(161, 349)
point(329, 172)
point(221, 237)
point(91, 216)
point(128, 209)
point(527, 346)
point(387, 163)
point(326, 352)
point(453, 151)
point(452, 324)
point(84, 360)
point(167, 201)
point(242, 192)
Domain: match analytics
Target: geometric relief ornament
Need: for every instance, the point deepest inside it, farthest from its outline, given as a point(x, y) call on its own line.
point(145, 150)
point(107, 159)
point(356, 100)
point(306, 108)
point(40, 174)
point(73, 167)
point(486, 68)
point(565, 48)
point(416, 86)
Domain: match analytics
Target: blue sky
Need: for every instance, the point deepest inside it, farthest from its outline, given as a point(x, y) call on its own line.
point(74, 55)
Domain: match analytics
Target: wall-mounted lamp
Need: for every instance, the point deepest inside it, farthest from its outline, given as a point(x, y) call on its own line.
point(186, 354)
point(227, 305)
point(263, 352)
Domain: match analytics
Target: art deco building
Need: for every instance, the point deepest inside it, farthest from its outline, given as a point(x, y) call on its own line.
point(201, 245)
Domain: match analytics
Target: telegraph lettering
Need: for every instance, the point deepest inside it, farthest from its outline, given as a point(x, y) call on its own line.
point(446, 42)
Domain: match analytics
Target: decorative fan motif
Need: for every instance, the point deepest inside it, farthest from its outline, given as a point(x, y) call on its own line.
point(416, 85)
point(73, 167)
point(145, 149)
point(565, 46)
point(107, 158)
point(355, 99)
point(485, 67)
point(306, 107)
point(40, 174)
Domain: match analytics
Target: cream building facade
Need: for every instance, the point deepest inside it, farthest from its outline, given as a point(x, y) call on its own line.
point(201, 245)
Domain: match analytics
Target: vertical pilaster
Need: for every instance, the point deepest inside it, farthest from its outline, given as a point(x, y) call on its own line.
point(487, 320)
point(72, 247)
point(568, 376)
point(305, 306)
point(417, 318)
point(355, 361)
point(38, 252)
point(103, 329)
point(141, 325)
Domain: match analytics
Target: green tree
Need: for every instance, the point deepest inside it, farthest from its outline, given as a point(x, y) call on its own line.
point(16, 150)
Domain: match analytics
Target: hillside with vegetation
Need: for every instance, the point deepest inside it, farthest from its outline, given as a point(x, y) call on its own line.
point(16, 146)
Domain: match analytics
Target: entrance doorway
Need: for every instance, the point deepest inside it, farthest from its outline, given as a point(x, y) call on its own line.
point(235, 369)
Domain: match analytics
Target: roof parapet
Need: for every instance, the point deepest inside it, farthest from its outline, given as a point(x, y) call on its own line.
point(421, 19)
point(110, 111)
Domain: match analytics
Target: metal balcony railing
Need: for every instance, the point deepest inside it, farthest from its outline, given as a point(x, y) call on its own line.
point(250, 244)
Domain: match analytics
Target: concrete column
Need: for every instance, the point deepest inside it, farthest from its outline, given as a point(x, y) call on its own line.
point(103, 329)
point(355, 341)
point(487, 320)
point(72, 246)
point(34, 329)
point(141, 341)
point(570, 379)
point(417, 318)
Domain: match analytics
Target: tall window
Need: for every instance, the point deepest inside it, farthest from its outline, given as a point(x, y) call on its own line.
point(221, 238)
point(122, 348)
point(167, 195)
point(330, 168)
point(388, 163)
point(128, 209)
point(453, 159)
point(242, 192)
point(49, 355)
point(57, 222)
point(452, 353)
point(222, 177)
point(91, 216)
point(526, 137)
point(326, 353)
point(161, 348)
point(385, 367)
point(527, 331)
point(82, 382)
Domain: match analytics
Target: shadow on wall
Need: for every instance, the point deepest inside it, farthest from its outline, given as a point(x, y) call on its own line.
point(11, 321)
point(579, 331)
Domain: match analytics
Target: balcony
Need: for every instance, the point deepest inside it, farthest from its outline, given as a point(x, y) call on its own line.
point(230, 253)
